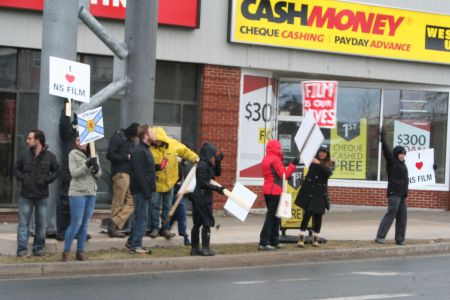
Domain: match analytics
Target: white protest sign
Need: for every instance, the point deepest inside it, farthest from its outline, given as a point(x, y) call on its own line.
point(245, 195)
point(412, 135)
point(189, 183)
point(309, 138)
point(70, 79)
point(90, 125)
point(320, 97)
point(420, 167)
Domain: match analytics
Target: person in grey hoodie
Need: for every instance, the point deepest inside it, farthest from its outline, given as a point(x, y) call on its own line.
point(84, 171)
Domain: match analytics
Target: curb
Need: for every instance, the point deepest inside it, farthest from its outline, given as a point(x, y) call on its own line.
point(140, 265)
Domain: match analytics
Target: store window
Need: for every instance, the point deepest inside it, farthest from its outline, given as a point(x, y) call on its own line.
point(8, 68)
point(7, 123)
point(417, 120)
point(414, 119)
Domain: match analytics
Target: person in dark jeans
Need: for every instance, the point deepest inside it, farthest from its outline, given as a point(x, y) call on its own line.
point(35, 169)
point(397, 193)
point(273, 170)
point(142, 186)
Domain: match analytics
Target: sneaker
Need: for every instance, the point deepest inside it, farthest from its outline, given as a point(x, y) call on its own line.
point(22, 254)
point(315, 241)
point(400, 243)
point(40, 253)
point(301, 241)
point(167, 234)
point(51, 235)
point(140, 250)
point(153, 234)
point(379, 241)
point(207, 252)
point(187, 242)
point(279, 246)
point(60, 236)
point(266, 248)
point(195, 252)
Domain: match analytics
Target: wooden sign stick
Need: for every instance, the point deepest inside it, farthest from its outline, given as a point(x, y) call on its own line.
point(229, 194)
point(69, 107)
point(92, 149)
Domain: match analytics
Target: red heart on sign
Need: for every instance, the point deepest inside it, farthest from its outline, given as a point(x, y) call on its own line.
point(70, 78)
point(419, 165)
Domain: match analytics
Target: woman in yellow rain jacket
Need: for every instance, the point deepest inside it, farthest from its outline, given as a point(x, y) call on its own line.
point(165, 152)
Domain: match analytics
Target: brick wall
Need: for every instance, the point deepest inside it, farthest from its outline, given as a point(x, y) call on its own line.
point(220, 118)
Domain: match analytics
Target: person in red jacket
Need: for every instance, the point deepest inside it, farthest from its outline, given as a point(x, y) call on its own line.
point(273, 170)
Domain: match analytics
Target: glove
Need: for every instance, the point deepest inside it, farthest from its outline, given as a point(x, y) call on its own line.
point(220, 189)
point(75, 120)
point(295, 161)
point(157, 167)
point(435, 166)
point(219, 157)
point(90, 162)
point(95, 168)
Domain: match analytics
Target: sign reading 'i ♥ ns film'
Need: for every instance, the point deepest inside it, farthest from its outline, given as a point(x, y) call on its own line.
point(70, 79)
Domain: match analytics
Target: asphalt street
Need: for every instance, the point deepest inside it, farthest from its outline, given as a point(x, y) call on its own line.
point(391, 278)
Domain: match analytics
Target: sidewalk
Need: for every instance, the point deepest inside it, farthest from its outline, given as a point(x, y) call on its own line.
point(342, 223)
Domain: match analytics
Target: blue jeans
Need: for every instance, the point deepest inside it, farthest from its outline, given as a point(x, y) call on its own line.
point(25, 210)
point(139, 224)
point(155, 204)
point(81, 211)
point(180, 217)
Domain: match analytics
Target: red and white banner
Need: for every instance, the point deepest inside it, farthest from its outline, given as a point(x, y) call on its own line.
point(320, 97)
point(184, 13)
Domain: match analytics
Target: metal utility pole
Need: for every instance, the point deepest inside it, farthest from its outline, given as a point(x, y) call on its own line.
point(59, 38)
point(140, 37)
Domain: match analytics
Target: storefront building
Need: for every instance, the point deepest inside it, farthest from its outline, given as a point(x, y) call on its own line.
point(232, 77)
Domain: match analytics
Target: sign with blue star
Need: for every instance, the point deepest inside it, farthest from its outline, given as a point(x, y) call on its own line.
point(90, 126)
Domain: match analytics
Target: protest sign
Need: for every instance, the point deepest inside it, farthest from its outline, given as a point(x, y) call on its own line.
point(237, 208)
point(320, 98)
point(420, 167)
point(309, 138)
point(90, 125)
point(70, 79)
point(349, 148)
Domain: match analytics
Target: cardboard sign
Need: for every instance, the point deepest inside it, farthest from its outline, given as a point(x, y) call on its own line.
point(411, 134)
point(309, 138)
point(320, 97)
point(234, 207)
point(420, 167)
point(90, 125)
point(189, 183)
point(70, 79)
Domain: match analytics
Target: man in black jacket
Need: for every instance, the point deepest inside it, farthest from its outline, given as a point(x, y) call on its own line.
point(397, 193)
point(35, 169)
point(119, 151)
point(142, 185)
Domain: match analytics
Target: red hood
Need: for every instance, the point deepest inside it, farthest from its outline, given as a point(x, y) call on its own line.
point(274, 148)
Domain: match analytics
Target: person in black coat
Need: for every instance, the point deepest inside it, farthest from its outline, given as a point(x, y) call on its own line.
point(397, 193)
point(208, 168)
point(313, 195)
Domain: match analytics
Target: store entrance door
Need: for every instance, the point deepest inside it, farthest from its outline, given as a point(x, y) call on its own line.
point(7, 121)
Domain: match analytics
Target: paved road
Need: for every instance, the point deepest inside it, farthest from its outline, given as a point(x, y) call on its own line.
point(399, 278)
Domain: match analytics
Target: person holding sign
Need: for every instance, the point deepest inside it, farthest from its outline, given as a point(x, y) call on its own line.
point(313, 195)
point(397, 193)
point(208, 168)
point(85, 171)
point(273, 171)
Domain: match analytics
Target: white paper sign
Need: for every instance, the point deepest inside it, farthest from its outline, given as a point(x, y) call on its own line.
point(246, 195)
point(90, 125)
point(189, 183)
point(70, 79)
point(412, 135)
point(420, 167)
point(309, 138)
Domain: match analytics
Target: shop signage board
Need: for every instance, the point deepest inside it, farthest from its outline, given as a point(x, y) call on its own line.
point(90, 125)
point(342, 27)
point(184, 13)
point(255, 124)
point(320, 98)
point(420, 167)
point(349, 148)
point(309, 138)
point(70, 79)
point(411, 134)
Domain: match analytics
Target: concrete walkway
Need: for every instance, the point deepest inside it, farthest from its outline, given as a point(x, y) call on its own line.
point(342, 223)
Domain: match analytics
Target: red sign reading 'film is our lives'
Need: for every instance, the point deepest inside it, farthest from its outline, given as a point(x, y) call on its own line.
point(184, 13)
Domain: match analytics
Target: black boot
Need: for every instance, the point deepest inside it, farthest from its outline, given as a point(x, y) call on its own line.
point(195, 241)
point(206, 236)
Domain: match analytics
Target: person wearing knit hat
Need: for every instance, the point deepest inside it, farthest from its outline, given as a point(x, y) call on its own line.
point(119, 150)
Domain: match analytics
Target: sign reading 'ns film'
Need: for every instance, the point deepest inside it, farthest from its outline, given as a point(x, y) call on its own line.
point(69, 79)
point(342, 27)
